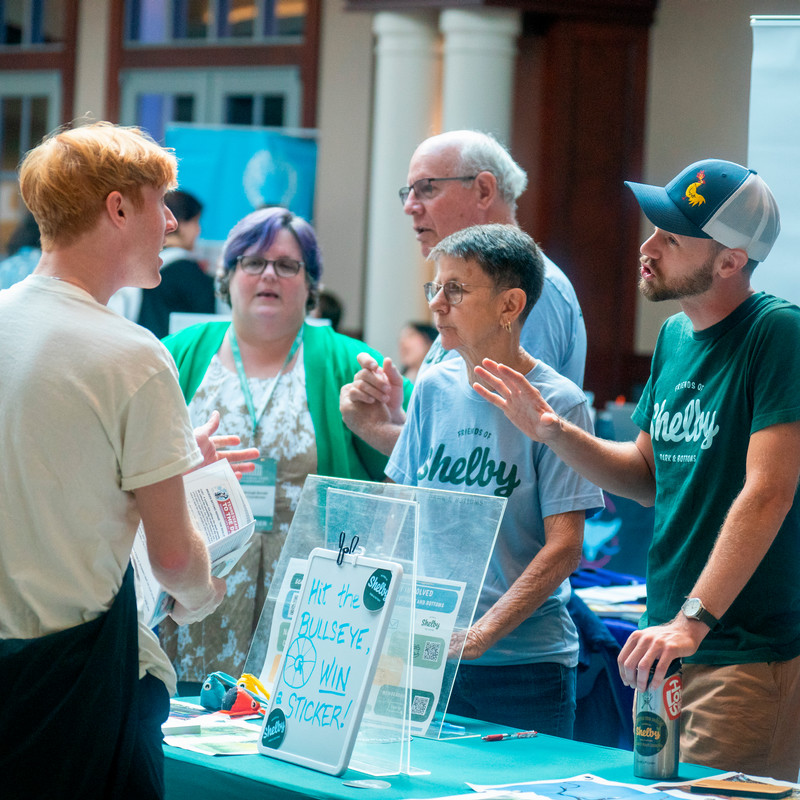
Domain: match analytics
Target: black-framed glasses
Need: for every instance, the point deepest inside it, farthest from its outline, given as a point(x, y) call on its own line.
point(423, 188)
point(284, 266)
point(453, 291)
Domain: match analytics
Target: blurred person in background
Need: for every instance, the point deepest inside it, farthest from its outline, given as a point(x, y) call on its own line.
point(24, 251)
point(413, 344)
point(185, 285)
point(328, 310)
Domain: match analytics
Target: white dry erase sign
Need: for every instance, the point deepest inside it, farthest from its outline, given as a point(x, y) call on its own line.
point(329, 663)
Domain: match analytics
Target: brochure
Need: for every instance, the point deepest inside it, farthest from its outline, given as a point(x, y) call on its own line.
point(220, 512)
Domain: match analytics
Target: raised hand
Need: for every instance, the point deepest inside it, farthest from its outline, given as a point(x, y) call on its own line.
point(212, 447)
point(522, 403)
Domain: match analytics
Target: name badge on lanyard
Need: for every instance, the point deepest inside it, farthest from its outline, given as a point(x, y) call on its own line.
point(259, 489)
point(259, 485)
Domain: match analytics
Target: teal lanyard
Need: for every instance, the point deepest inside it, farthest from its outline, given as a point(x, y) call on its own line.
point(248, 397)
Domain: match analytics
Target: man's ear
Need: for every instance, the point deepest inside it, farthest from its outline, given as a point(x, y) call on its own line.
point(732, 261)
point(486, 184)
point(116, 208)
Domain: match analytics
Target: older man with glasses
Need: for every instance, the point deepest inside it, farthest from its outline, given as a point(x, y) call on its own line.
point(456, 180)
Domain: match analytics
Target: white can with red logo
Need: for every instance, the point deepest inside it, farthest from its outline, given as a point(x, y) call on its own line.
point(657, 727)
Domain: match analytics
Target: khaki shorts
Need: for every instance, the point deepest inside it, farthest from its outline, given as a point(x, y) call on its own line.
point(744, 717)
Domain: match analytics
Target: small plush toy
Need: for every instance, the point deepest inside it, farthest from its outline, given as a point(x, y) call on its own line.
point(213, 692)
point(239, 702)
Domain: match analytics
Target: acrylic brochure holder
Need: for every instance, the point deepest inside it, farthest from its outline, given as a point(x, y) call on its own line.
point(441, 542)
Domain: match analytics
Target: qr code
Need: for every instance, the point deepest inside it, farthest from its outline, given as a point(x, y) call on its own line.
point(419, 705)
point(431, 651)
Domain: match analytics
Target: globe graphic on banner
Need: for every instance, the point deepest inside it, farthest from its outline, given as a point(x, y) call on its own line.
point(267, 182)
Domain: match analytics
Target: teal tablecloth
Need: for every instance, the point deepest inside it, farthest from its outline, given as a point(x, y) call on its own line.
point(451, 763)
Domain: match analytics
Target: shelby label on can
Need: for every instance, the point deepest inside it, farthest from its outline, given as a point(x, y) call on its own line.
point(656, 710)
point(657, 727)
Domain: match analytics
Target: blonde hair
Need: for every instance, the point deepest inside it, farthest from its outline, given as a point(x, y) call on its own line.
point(66, 179)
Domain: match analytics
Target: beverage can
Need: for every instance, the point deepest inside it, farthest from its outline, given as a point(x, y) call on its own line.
point(657, 727)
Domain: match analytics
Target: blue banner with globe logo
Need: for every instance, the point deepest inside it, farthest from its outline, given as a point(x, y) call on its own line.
point(235, 170)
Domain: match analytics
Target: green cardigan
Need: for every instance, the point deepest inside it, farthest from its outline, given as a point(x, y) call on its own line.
point(330, 362)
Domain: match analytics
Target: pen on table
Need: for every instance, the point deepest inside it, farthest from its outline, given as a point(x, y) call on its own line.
point(499, 737)
point(448, 727)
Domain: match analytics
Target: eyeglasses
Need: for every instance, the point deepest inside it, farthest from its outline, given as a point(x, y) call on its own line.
point(453, 291)
point(284, 266)
point(423, 188)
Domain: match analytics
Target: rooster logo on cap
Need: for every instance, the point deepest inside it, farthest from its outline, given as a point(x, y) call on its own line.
point(691, 195)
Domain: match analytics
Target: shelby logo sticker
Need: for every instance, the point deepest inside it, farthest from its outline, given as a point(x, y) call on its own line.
point(274, 729)
point(377, 589)
point(650, 734)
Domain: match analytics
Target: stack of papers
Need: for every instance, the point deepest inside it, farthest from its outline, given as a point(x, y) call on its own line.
point(621, 602)
point(193, 727)
point(183, 717)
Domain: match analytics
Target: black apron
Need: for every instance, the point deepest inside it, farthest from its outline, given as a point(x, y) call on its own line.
point(71, 707)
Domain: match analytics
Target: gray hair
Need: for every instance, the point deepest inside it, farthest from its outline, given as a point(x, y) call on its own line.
point(506, 254)
point(481, 152)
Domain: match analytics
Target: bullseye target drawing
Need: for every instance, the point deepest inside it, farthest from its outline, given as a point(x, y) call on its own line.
point(301, 658)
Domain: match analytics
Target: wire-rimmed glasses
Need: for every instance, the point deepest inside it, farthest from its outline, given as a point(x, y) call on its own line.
point(423, 188)
point(453, 290)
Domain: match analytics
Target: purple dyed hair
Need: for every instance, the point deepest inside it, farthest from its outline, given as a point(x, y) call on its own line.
point(257, 231)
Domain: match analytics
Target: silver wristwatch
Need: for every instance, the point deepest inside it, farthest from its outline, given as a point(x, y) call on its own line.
point(693, 608)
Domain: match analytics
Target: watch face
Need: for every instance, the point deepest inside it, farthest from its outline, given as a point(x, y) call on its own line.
point(691, 607)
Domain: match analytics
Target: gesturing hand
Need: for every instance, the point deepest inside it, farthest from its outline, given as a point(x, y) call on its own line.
point(522, 403)
point(212, 447)
point(374, 384)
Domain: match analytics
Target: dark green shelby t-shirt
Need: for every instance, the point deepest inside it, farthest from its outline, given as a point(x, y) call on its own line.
point(707, 392)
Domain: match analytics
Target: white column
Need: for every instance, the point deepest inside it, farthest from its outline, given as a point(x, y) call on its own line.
point(406, 90)
point(480, 48)
point(91, 57)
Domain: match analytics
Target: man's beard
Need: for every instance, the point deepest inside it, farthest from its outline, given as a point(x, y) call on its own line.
point(698, 282)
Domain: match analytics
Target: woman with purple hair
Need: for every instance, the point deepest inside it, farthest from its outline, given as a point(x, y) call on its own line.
point(275, 381)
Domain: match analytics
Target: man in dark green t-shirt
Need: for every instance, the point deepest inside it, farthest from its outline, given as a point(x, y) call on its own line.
point(719, 456)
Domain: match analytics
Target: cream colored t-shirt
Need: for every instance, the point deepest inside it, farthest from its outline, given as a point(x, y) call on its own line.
point(90, 410)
